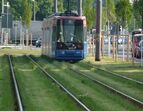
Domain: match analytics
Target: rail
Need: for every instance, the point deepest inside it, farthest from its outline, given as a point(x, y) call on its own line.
point(17, 92)
point(134, 100)
point(115, 74)
point(59, 84)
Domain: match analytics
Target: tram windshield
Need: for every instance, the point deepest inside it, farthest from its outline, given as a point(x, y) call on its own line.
point(70, 32)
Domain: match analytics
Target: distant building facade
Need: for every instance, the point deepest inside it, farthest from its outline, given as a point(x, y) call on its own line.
point(18, 30)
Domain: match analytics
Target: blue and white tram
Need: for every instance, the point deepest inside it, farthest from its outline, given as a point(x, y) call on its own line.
point(64, 37)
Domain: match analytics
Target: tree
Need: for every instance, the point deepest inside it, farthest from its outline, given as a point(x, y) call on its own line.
point(27, 14)
point(109, 12)
point(60, 5)
point(16, 8)
point(89, 12)
point(72, 4)
point(138, 11)
point(45, 8)
point(26, 18)
point(123, 12)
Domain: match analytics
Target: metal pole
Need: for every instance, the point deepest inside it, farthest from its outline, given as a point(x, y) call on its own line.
point(7, 22)
point(34, 18)
point(7, 14)
point(80, 7)
point(1, 22)
point(55, 6)
point(31, 39)
point(15, 33)
point(134, 23)
point(98, 30)
point(34, 11)
point(68, 8)
point(2, 35)
point(20, 22)
point(133, 50)
point(123, 39)
point(128, 43)
point(109, 38)
point(141, 44)
point(2, 6)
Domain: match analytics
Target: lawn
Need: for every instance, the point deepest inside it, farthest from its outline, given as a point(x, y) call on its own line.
point(39, 93)
point(6, 93)
point(24, 51)
point(93, 95)
point(128, 69)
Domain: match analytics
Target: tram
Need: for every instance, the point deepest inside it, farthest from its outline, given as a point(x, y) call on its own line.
point(64, 36)
point(137, 40)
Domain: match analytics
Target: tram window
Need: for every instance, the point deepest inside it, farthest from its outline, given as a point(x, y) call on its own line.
point(69, 30)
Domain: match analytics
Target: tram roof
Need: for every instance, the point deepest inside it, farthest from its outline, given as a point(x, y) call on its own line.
point(70, 17)
point(138, 35)
point(66, 15)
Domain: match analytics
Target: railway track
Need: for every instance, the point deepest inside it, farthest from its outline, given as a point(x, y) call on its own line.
point(109, 87)
point(7, 98)
point(60, 85)
point(58, 65)
point(115, 74)
point(130, 98)
point(19, 104)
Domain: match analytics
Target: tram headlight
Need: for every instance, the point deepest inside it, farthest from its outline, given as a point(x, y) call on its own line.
point(78, 52)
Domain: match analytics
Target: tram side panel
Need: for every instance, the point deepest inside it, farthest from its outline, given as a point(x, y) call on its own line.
point(46, 38)
point(85, 39)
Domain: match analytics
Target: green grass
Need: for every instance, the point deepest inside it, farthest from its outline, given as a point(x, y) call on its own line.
point(124, 68)
point(6, 94)
point(134, 72)
point(13, 51)
point(121, 84)
point(93, 95)
point(38, 92)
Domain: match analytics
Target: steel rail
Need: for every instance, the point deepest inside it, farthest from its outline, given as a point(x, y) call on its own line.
point(59, 84)
point(117, 75)
point(17, 92)
point(132, 99)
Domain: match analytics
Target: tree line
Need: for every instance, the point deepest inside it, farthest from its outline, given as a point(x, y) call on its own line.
point(121, 12)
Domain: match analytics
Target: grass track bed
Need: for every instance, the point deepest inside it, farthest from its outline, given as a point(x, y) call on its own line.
point(6, 93)
point(38, 92)
point(135, 73)
point(122, 68)
point(133, 89)
point(93, 95)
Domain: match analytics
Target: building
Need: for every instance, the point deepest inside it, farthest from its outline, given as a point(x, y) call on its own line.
point(18, 32)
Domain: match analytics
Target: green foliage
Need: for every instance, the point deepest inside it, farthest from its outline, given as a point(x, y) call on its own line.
point(138, 12)
point(45, 8)
point(123, 12)
point(6, 93)
point(27, 14)
point(16, 8)
point(72, 4)
point(60, 6)
point(108, 12)
point(89, 12)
